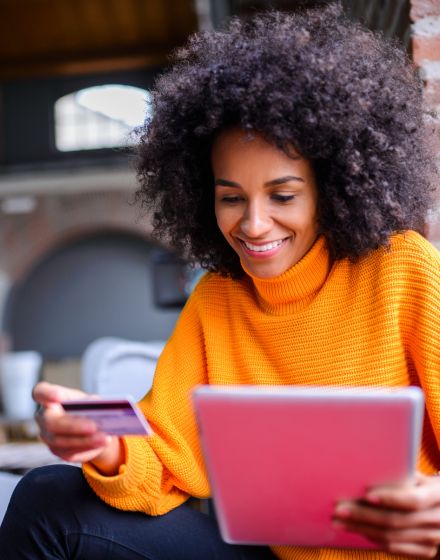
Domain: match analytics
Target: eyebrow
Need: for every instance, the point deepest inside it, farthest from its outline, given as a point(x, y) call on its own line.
point(282, 180)
point(274, 182)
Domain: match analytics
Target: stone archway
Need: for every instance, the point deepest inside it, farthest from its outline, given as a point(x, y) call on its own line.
point(96, 285)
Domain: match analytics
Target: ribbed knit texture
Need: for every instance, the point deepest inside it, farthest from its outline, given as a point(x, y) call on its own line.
point(373, 323)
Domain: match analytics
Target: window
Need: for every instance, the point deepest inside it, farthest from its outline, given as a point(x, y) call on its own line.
point(99, 117)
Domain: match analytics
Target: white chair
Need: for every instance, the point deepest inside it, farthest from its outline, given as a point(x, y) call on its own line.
point(114, 366)
point(7, 484)
point(110, 366)
point(19, 372)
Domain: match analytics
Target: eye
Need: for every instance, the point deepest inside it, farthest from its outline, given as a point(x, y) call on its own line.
point(230, 199)
point(282, 197)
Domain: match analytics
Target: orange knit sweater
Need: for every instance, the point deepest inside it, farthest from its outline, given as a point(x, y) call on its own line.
point(376, 322)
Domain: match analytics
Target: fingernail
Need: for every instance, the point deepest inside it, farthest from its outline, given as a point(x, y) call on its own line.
point(342, 510)
point(373, 498)
point(99, 438)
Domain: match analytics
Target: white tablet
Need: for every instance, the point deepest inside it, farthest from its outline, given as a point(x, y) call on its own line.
point(280, 458)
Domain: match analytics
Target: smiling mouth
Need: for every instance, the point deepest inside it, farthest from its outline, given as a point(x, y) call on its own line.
point(262, 248)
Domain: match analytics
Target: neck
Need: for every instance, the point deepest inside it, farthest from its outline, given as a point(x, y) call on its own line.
point(297, 287)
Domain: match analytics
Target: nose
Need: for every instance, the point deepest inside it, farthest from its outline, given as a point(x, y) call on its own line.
point(256, 221)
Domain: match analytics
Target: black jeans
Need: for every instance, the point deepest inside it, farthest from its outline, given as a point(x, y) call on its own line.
point(53, 514)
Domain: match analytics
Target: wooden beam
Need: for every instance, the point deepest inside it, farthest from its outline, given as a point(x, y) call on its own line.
point(65, 67)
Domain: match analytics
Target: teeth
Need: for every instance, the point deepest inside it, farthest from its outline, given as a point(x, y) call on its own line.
point(262, 248)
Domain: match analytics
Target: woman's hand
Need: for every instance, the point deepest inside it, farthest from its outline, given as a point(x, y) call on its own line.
point(73, 438)
point(403, 519)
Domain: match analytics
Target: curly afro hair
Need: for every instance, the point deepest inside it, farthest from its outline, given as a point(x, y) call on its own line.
point(345, 98)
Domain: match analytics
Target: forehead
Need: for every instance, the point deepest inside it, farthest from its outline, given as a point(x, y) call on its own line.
point(237, 151)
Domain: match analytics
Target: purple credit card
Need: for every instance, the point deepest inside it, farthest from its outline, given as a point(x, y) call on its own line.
point(114, 416)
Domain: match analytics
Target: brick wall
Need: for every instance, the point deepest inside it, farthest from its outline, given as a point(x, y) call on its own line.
point(57, 220)
point(61, 218)
point(425, 15)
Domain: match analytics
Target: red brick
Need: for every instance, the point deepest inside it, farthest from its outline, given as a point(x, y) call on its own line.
point(423, 8)
point(426, 48)
point(433, 127)
point(432, 229)
point(60, 219)
point(432, 92)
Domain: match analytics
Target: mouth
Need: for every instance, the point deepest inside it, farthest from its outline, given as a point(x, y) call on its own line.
point(262, 249)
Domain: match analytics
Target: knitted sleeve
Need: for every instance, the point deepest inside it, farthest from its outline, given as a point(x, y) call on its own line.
point(161, 471)
point(422, 324)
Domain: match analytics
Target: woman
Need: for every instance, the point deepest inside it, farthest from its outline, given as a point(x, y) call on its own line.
point(288, 156)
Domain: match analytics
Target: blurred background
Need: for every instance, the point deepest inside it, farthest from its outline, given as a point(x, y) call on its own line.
point(76, 259)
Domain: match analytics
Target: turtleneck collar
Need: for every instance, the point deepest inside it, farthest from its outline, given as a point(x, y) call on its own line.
point(296, 288)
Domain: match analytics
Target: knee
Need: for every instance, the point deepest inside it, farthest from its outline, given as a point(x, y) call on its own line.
point(43, 483)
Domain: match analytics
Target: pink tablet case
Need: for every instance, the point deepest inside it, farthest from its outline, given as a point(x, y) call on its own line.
point(280, 458)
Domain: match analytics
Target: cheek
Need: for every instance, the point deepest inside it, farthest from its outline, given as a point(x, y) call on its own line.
point(217, 213)
point(309, 220)
point(222, 226)
point(225, 220)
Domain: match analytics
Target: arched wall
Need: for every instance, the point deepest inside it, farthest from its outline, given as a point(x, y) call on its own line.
point(59, 223)
point(57, 218)
point(94, 286)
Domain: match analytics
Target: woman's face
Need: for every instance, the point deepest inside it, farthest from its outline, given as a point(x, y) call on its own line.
point(265, 202)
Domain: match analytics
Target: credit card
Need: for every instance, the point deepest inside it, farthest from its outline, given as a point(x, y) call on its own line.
point(114, 416)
